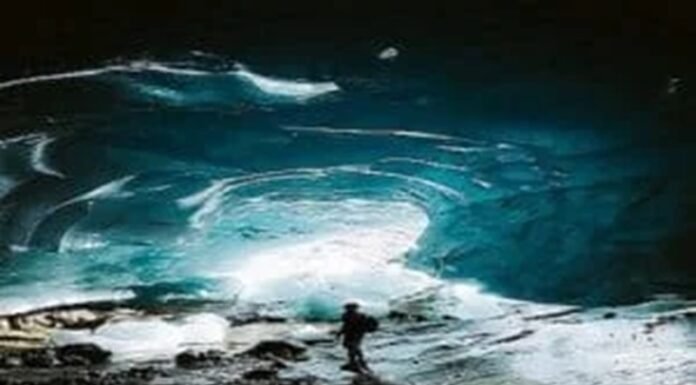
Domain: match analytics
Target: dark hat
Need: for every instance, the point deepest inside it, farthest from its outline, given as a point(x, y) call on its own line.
point(351, 305)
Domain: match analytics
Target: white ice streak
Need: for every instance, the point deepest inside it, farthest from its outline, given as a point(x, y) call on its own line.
point(298, 89)
point(429, 163)
point(38, 144)
point(80, 241)
point(165, 93)
point(442, 189)
point(59, 76)
point(112, 189)
point(28, 138)
point(482, 183)
point(136, 66)
point(200, 197)
point(210, 199)
point(376, 132)
point(463, 150)
point(39, 159)
point(144, 65)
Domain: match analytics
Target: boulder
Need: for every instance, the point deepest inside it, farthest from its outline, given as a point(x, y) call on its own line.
point(82, 355)
point(609, 315)
point(68, 355)
point(277, 349)
point(191, 359)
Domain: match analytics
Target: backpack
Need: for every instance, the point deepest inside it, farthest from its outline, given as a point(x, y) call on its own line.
point(371, 324)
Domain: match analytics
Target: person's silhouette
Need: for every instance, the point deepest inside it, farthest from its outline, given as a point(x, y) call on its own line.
point(355, 325)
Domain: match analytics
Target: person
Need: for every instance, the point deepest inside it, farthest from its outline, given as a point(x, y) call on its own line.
point(355, 326)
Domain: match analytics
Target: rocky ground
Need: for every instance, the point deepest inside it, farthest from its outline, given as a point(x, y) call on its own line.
point(29, 357)
point(410, 348)
point(87, 364)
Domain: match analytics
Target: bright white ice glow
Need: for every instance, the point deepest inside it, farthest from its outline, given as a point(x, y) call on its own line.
point(357, 254)
point(154, 338)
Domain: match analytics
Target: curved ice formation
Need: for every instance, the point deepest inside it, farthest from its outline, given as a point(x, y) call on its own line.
point(165, 89)
point(187, 179)
point(286, 88)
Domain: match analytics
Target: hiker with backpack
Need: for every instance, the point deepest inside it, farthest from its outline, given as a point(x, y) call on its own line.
point(355, 326)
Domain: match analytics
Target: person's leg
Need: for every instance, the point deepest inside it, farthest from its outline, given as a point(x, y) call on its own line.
point(353, 355)
point(360, 358)
point(349, 356)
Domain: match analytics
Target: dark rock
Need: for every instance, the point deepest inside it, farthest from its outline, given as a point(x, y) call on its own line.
point(609, 315)
point(318, 340)
point(147, 373)
point(187, 359)
point(397, 315)
point(277, 349)
point(82, 355)
point(190, 359)
point(514, 337)
point(368, 379)
point(303, 381)
point(249, 318)
point(68, 355)
point(668, 319)
point(261, 374)
point(401, 316)
point(91, 324)
point(665, 319)
point(9, 360)
point(551, 315)
point(32, 358)
point(140, 375)
point(39, 358)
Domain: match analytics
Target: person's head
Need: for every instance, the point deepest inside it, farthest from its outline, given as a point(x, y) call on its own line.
point(351, 307)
